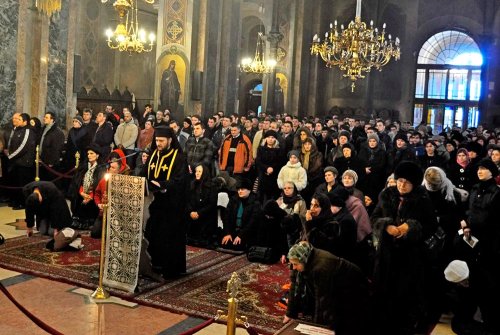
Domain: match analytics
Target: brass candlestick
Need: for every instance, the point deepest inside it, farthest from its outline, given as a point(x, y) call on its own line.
point(100, 292)
point(77, 159)
point(233, 286)
point(37, 164)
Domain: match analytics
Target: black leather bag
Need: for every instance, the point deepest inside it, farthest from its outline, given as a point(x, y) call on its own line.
point(434, 245)
point(261, 255)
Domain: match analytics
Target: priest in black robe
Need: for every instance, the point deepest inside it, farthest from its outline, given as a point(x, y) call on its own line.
point(166, 172)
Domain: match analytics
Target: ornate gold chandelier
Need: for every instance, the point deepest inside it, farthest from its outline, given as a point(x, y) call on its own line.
point(127, 36)
point(48, 7)
point(258, 64)
point(357, 49)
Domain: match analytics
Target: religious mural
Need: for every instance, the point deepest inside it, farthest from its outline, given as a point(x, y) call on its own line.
point(172, 71)
point(9, 13)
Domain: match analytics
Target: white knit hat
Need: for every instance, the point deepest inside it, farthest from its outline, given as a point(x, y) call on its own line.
point(456, 271)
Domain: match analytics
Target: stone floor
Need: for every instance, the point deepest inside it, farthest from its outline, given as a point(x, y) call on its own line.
point(71, 310)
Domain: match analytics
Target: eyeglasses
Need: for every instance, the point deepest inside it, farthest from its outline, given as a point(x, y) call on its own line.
point(288, 188)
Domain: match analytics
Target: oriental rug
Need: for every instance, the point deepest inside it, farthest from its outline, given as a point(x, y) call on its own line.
point(28, 255)
point(204, 292)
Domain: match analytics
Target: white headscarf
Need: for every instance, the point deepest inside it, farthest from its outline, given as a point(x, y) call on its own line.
point(446, 186)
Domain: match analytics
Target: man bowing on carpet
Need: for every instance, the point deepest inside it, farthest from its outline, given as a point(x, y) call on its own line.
point(166, 172)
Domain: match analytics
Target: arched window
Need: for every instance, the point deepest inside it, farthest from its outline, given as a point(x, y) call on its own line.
point(448, 81)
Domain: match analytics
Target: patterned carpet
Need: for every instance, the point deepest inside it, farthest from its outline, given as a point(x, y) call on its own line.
point(28, 255)
point(199, 293)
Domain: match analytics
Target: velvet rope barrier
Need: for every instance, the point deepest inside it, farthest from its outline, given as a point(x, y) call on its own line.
point(57, 173)
point(198, 327)
point(32, 317)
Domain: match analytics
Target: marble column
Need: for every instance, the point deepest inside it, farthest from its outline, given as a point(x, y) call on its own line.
point(22, 79)
point(296, 58)
point(210, 100)
point(74, 10)
point(274, 37)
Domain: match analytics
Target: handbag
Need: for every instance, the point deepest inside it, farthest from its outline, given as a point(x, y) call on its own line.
point(434, 244)
point(264, 255)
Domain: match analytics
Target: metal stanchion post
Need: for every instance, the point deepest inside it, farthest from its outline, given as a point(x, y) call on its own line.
point(100, 292)
point(37, 164)
point(233, 286)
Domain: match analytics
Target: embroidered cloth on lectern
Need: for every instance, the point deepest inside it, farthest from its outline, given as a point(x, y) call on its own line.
point(124, 231)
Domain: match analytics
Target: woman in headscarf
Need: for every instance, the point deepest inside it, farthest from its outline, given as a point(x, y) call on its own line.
point(312, 162)
point(459, 171)
point(448, 211)
point(374, 159)
point(300, 137)
point(482, 224)
point(349, 180)
point(201, 209)
point(295, 208)
point(333, 291)
point(78, 140)
point(320, 228)
point(268, 162)
point(403, 219)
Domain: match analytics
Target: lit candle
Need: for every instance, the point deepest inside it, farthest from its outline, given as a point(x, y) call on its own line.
point(358, 8)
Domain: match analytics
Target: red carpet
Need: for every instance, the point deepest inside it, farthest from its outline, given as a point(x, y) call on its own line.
point(28, 255)
point(204, 292)
point(199, 293)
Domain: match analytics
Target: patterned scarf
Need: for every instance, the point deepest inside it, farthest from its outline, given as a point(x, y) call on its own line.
point(88, 179)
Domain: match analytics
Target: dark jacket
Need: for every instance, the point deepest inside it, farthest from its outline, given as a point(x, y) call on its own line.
point(336, 294)
point(53, 207)
point(400, 269)
point(103, 137)
point(78, 140)
point(459, 176)
point(266, 158)
point(252, 215)
point(376, 160)
point(52, 145)
point(199, 151)
point(22, 147)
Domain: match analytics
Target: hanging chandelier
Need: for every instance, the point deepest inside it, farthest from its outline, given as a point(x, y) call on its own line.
point(127, 36)
point(48, 7)
point(357, 49)
point(259, 64)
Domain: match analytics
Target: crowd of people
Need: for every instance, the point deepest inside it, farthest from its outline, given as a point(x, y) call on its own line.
point(378, 204)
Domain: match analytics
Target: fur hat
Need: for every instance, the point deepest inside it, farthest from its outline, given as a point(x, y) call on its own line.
point(332, 170)
point(79, 119)
point(345, 133)
point(351, 173)
point(409, 171)
point(349, 146)
point(456, 271)
point(335, 199)
point(474, 146)
point(271, 133)
point(244, 183)
point(374, 137)
point(401, 136)
point(488, 164)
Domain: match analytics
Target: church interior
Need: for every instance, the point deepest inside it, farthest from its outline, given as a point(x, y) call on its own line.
point(233, 56)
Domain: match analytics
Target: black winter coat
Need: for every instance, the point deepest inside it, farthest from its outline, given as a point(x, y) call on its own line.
point(336, 294)
point(22, 147)
point(252, 215)
point(373, 182)
point(399, 267)
point(266, 158)
point(52, 146)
